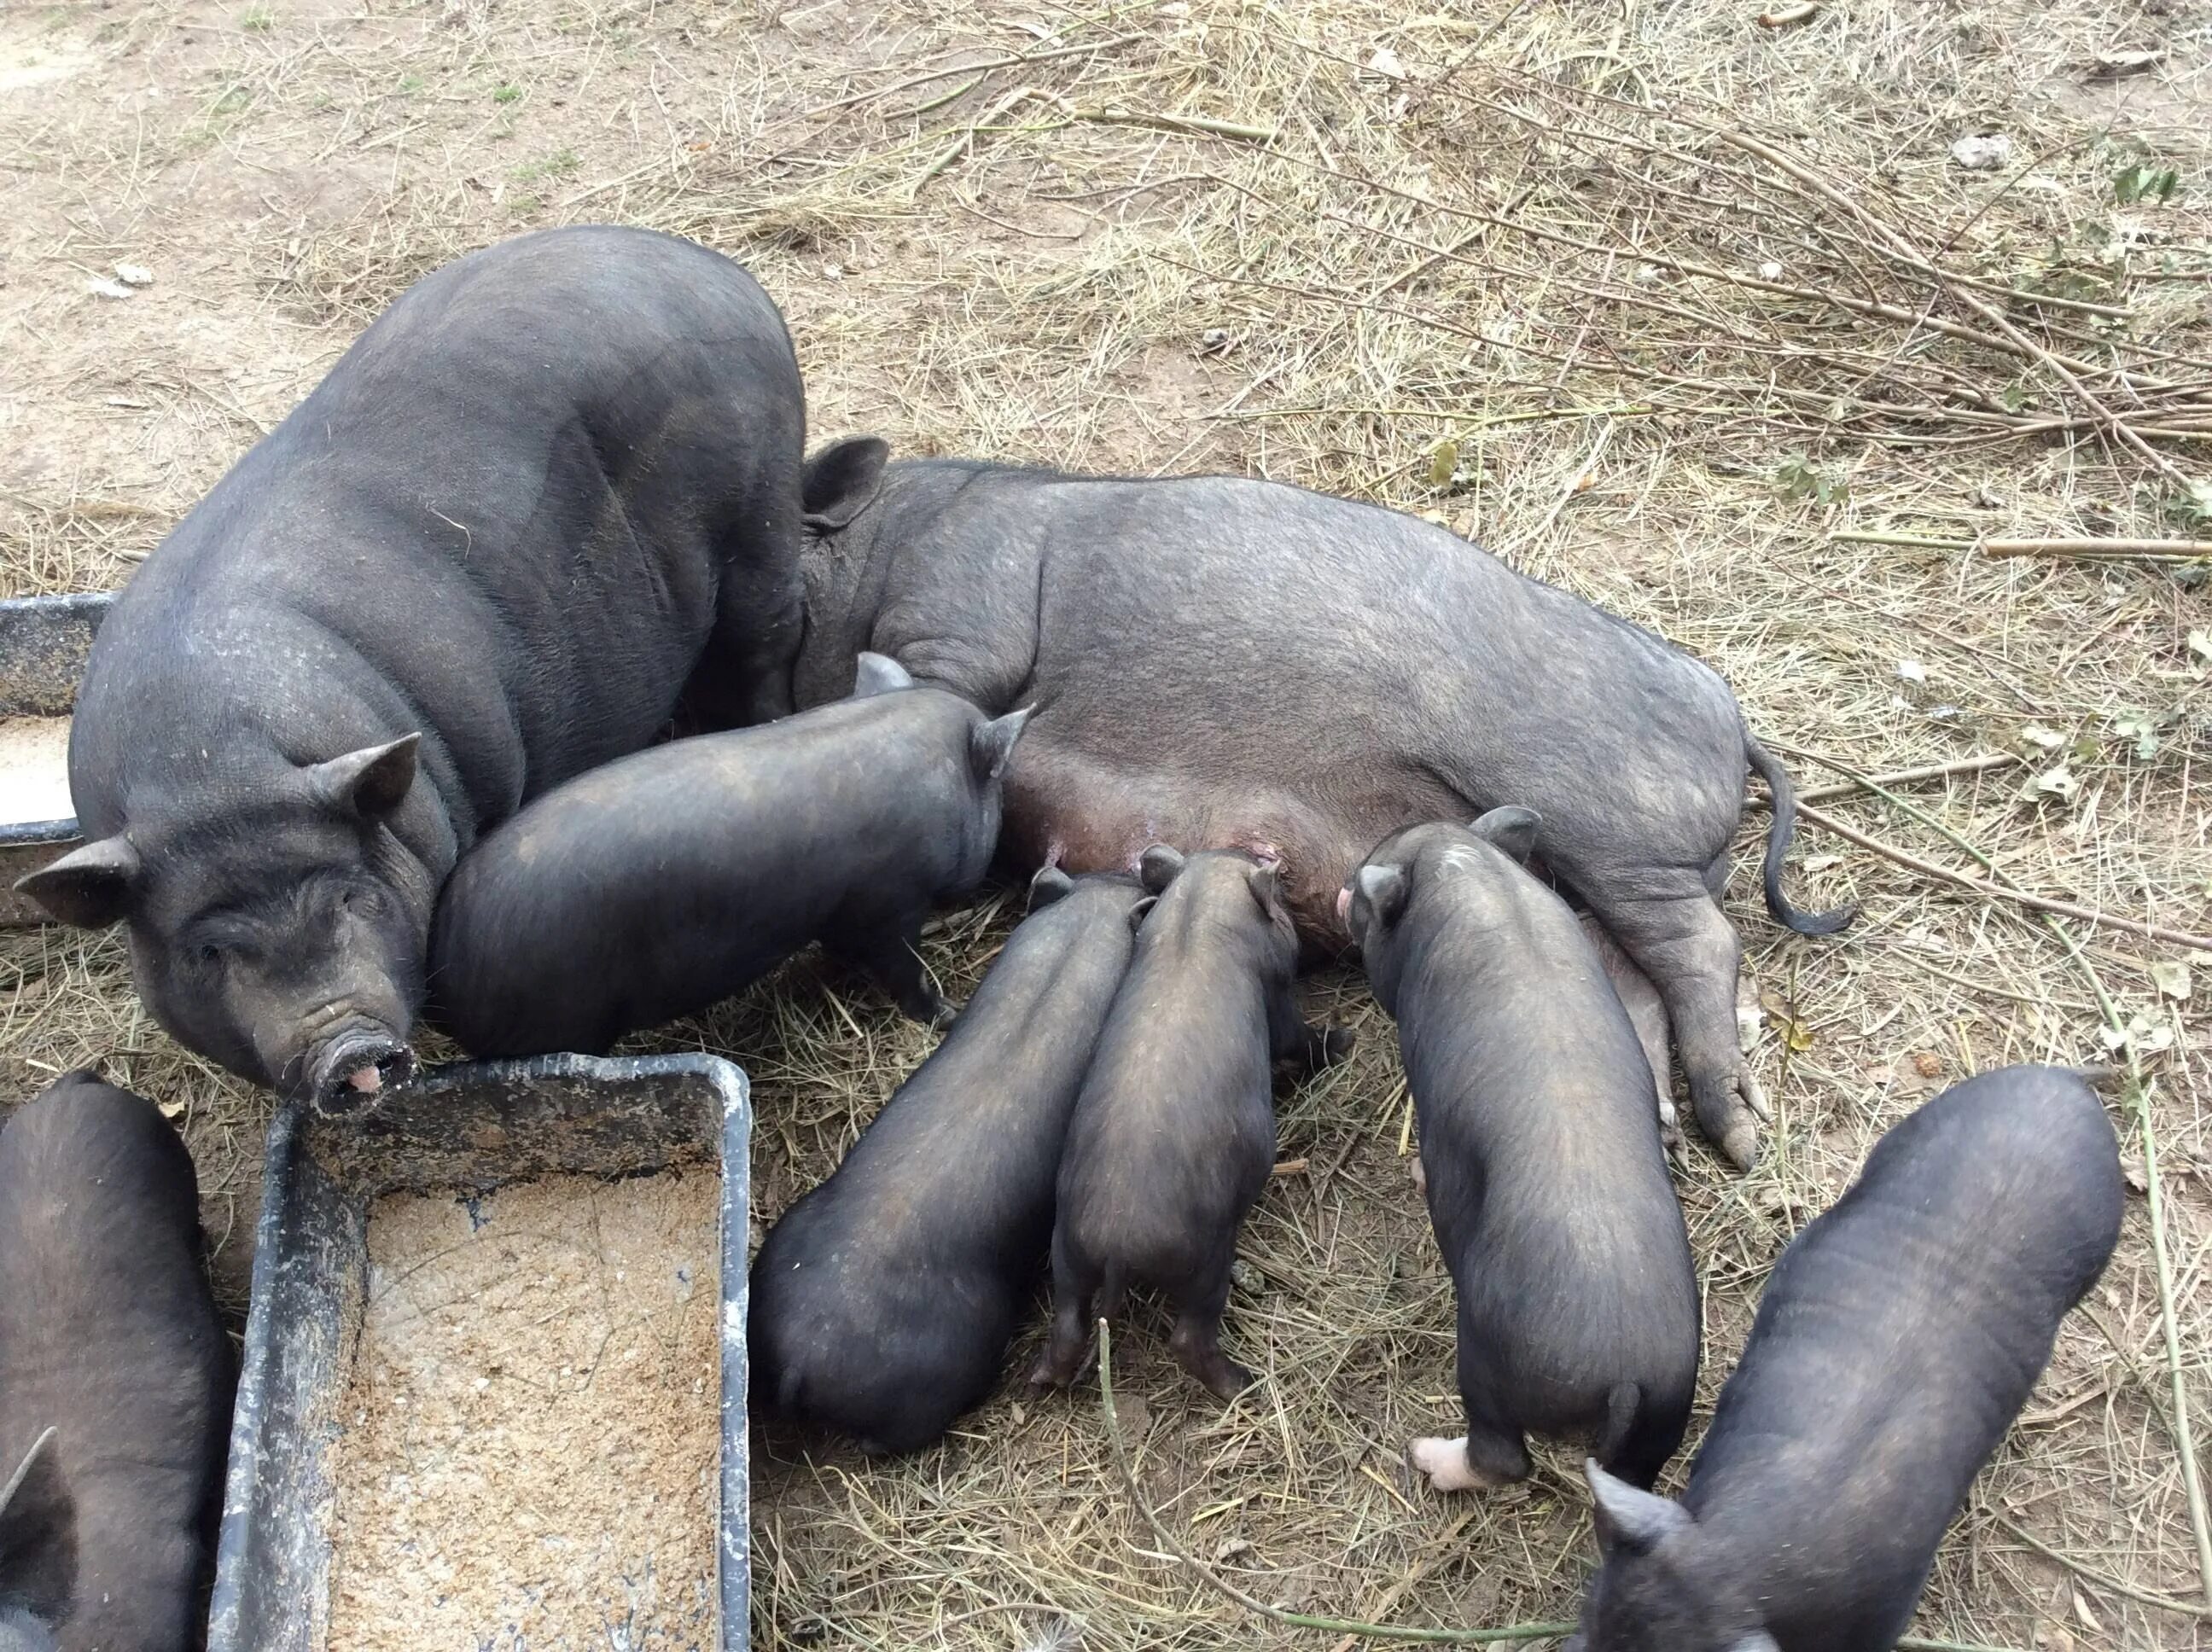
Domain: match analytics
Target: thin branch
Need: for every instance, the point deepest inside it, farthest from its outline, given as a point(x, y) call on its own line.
point(1989, 891)
point(2169, 550)
point(2103, 1580)
point(1906, 776)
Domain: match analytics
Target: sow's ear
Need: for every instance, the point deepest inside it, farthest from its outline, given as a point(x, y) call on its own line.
point(1158, 866)
point(89, 887)
point(1384, 888)
point(1048, 886)
point(993, 743)
point(837, 485)
point(880, 674)
point(1137, 912)
point(1631, 1521)
point(369, 783)
point(1511, 829)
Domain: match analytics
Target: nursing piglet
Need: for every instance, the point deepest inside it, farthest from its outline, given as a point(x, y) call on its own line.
point(1174, 1134)
point(1898, 1337)
point(115, 1377)
point(1545, 1177)
point(659, 885)
point(883, 1301)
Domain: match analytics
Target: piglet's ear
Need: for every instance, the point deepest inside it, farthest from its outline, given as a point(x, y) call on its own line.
point(1137, 912)
point(1158, 866)
point(1630, 1520)
point(837, 483)
point(880, 674)
point(1384, 890)
point(14, 1481)
point(1512, 829)
point(1048, 886)
point(1265, 882)
point(89, 887)
point(369, 783)
point(1758, 1641)
point(993, 743)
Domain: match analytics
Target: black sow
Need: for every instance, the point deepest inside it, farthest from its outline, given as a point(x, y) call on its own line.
point(553, 488)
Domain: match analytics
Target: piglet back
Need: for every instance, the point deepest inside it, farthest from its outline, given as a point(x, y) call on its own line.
point(2027, 1156)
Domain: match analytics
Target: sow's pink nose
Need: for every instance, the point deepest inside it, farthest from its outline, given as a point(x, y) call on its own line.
point(1343, 906)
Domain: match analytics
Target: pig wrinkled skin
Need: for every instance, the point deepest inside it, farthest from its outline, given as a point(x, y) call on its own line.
point(552, 491)
point(1545, 1179)
point(1897, 1338)
point(662, 884)
point(109, 1337)
point(883, 1303)
point(1174, 1132)
point(1229, 663)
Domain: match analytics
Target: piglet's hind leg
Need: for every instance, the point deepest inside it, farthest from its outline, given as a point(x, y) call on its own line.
point(1196, 1340)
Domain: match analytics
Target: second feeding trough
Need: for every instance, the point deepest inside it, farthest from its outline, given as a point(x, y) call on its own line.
point(43, 641)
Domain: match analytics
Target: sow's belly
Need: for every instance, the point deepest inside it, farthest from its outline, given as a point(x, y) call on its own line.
point(1086, 805)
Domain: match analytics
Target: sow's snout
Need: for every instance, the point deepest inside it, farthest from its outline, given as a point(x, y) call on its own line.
point(349, 1072)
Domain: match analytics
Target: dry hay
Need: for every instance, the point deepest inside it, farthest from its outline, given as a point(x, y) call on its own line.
point(1698, 318)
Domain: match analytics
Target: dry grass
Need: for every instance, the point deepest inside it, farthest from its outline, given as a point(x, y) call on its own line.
point(1663, 306)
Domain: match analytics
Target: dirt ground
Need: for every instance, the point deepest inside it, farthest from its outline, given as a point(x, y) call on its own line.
point(1705, 319)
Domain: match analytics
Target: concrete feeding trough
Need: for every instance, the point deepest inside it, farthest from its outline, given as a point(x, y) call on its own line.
point(494, 1387)
point(43, 641)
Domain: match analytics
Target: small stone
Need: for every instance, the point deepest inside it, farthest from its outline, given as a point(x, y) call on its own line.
point(1983, 152)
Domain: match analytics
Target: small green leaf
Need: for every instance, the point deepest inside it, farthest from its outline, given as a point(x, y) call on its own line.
point(2141, 182)
point(1443, 463)
point(2171, 977)
point(2058, 783)
point(2014, 397)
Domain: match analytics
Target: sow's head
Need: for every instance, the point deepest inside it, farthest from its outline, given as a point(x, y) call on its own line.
point(277, 925)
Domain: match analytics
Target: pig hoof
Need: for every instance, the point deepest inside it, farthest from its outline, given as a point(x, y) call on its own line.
point(1739, 1145)
point(1753, 1097)
point(1336, 1045)
point(1052, 1372)
point(1224, 1378)
point(1420, 1175)
point(1444, 1461)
